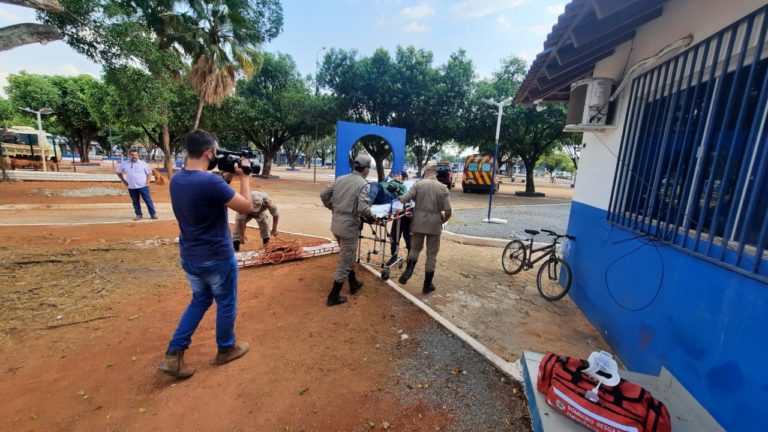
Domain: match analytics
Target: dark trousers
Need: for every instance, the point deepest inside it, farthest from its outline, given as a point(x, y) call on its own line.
point(144, 194)
point(405, 233)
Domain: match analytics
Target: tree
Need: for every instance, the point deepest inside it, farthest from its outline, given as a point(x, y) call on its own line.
point(222, 38)
point(556, 162)
point(75, 102)
point(77, 110)
point(525, 133)
point(407, 91)
point(295, 148)
point(532, 134)
point(271, 108)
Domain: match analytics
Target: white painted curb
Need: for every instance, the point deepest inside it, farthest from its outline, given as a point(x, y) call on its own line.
point(511, 369)
point(483, 241)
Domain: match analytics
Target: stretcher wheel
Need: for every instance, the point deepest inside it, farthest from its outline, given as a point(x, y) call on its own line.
point(385, 274)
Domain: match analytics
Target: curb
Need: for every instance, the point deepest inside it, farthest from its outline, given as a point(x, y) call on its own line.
point(513, 370)
point(482, 241)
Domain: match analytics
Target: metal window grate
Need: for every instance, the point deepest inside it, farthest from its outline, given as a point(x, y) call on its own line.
point(693, 164)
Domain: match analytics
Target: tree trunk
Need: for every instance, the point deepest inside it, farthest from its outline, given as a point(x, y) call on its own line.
point(380, 169)
point(529, 167)
point(82, 143)
point(169, 162)
point(268, 157)
point(200, 104)
point(23, 34)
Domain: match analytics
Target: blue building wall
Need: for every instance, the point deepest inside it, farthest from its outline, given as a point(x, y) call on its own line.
point(657, 305)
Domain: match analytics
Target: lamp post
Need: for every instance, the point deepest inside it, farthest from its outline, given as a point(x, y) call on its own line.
point(39, 112)
point(317, 90)
point(500, 105)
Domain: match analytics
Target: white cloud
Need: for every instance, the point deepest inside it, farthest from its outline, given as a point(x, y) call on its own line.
point(417, 12)
point(540, 30)
point(527, 56)
point(10, 17)
point(504, 22)
point(416, 27)
point(69, 69)
point(480, 8)
point(556, 10)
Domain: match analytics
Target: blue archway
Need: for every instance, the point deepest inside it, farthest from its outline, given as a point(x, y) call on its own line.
point(347, 134)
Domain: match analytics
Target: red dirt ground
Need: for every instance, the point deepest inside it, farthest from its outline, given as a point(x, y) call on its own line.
point(311, 368)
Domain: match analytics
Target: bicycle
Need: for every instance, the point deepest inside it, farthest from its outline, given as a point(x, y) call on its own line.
point(554, 277)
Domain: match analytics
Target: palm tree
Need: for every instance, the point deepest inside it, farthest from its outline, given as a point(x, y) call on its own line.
point(222, 38)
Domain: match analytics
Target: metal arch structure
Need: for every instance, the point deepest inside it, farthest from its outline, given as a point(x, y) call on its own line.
point(348, 133)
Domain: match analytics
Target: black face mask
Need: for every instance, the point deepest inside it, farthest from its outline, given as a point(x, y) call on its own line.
point(212, 163)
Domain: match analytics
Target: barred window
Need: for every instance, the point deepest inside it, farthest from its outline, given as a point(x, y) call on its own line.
point(693, 166)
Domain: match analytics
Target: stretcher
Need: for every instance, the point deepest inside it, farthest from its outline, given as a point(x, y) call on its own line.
point(377, 236)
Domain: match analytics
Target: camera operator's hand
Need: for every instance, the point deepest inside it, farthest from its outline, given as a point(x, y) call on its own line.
point(238, 167)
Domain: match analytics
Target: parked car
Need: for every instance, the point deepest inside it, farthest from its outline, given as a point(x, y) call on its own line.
point(446, 175)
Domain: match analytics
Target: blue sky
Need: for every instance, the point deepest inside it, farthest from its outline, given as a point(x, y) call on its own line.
point(488, 30)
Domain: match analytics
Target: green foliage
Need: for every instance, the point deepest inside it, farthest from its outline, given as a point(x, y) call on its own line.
point(556, 162)
point(525, 132)
point(405, 91)
point(269, 109)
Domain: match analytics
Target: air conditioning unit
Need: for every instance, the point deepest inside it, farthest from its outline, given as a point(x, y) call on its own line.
point(589, 107)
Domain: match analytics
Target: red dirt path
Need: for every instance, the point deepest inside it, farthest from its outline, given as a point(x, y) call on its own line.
point(310, 367)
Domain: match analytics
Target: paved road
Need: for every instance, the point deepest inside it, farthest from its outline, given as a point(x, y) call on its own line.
point(520, 217)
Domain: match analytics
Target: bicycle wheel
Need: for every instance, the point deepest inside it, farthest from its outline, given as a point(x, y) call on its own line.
point(514, 257)
point(554, 279)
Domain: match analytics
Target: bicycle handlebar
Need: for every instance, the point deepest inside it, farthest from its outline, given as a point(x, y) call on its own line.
point(554, 234)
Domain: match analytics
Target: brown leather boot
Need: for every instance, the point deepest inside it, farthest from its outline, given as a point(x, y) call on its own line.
point(232, 353)
point(173, 365)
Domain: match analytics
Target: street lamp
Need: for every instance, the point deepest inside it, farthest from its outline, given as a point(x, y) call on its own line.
point(45, 111)
point(317, 69)
point(500, 105)
point(313, 161)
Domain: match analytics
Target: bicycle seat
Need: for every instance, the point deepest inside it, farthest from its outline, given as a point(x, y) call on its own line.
point(531, 232)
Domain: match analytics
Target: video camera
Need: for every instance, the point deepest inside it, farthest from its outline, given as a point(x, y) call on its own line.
point(227, 160)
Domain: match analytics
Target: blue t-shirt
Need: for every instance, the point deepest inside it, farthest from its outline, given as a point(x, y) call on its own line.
point(198, 199)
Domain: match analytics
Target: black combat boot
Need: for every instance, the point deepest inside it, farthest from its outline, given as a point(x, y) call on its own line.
point(428, 287)
point(236, 245)
point(409, 266)
point(354, 284)
point(265, 240)
point(334, 298)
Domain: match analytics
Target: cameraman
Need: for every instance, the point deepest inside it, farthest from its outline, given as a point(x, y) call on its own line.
point(200, 200)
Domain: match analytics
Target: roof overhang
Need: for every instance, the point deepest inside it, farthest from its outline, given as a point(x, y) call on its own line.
point(587, 32)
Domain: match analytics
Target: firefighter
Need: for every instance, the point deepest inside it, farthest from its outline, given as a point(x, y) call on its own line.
point(432, 210)
point(348, 198)
point(262, 204)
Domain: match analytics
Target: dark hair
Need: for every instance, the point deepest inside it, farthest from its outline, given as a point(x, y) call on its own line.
point(133, 150)
point(198, 141)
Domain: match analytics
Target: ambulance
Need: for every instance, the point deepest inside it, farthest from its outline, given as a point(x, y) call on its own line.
point(478, 173)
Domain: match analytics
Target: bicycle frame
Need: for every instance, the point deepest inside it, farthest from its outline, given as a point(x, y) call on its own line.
point(550, 250)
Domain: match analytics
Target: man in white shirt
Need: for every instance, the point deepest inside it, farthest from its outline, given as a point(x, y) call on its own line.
point(136, 174)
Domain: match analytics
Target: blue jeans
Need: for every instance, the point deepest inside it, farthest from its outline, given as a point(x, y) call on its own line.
point(210, 280)
point(144, 193)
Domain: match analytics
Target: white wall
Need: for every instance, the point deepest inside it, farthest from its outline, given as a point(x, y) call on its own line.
point(700, 18)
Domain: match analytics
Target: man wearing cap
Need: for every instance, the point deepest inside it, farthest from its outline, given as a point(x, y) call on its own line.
point(348, 198)
point(262, 204)
point(432, 210)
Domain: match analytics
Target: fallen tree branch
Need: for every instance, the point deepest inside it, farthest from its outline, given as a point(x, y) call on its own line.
point(55, 326)
point(23, 34)
point(43, 5)
point(48, 261)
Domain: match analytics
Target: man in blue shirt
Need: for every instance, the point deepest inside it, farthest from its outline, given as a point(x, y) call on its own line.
point(200, 200)
point(136, 174)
